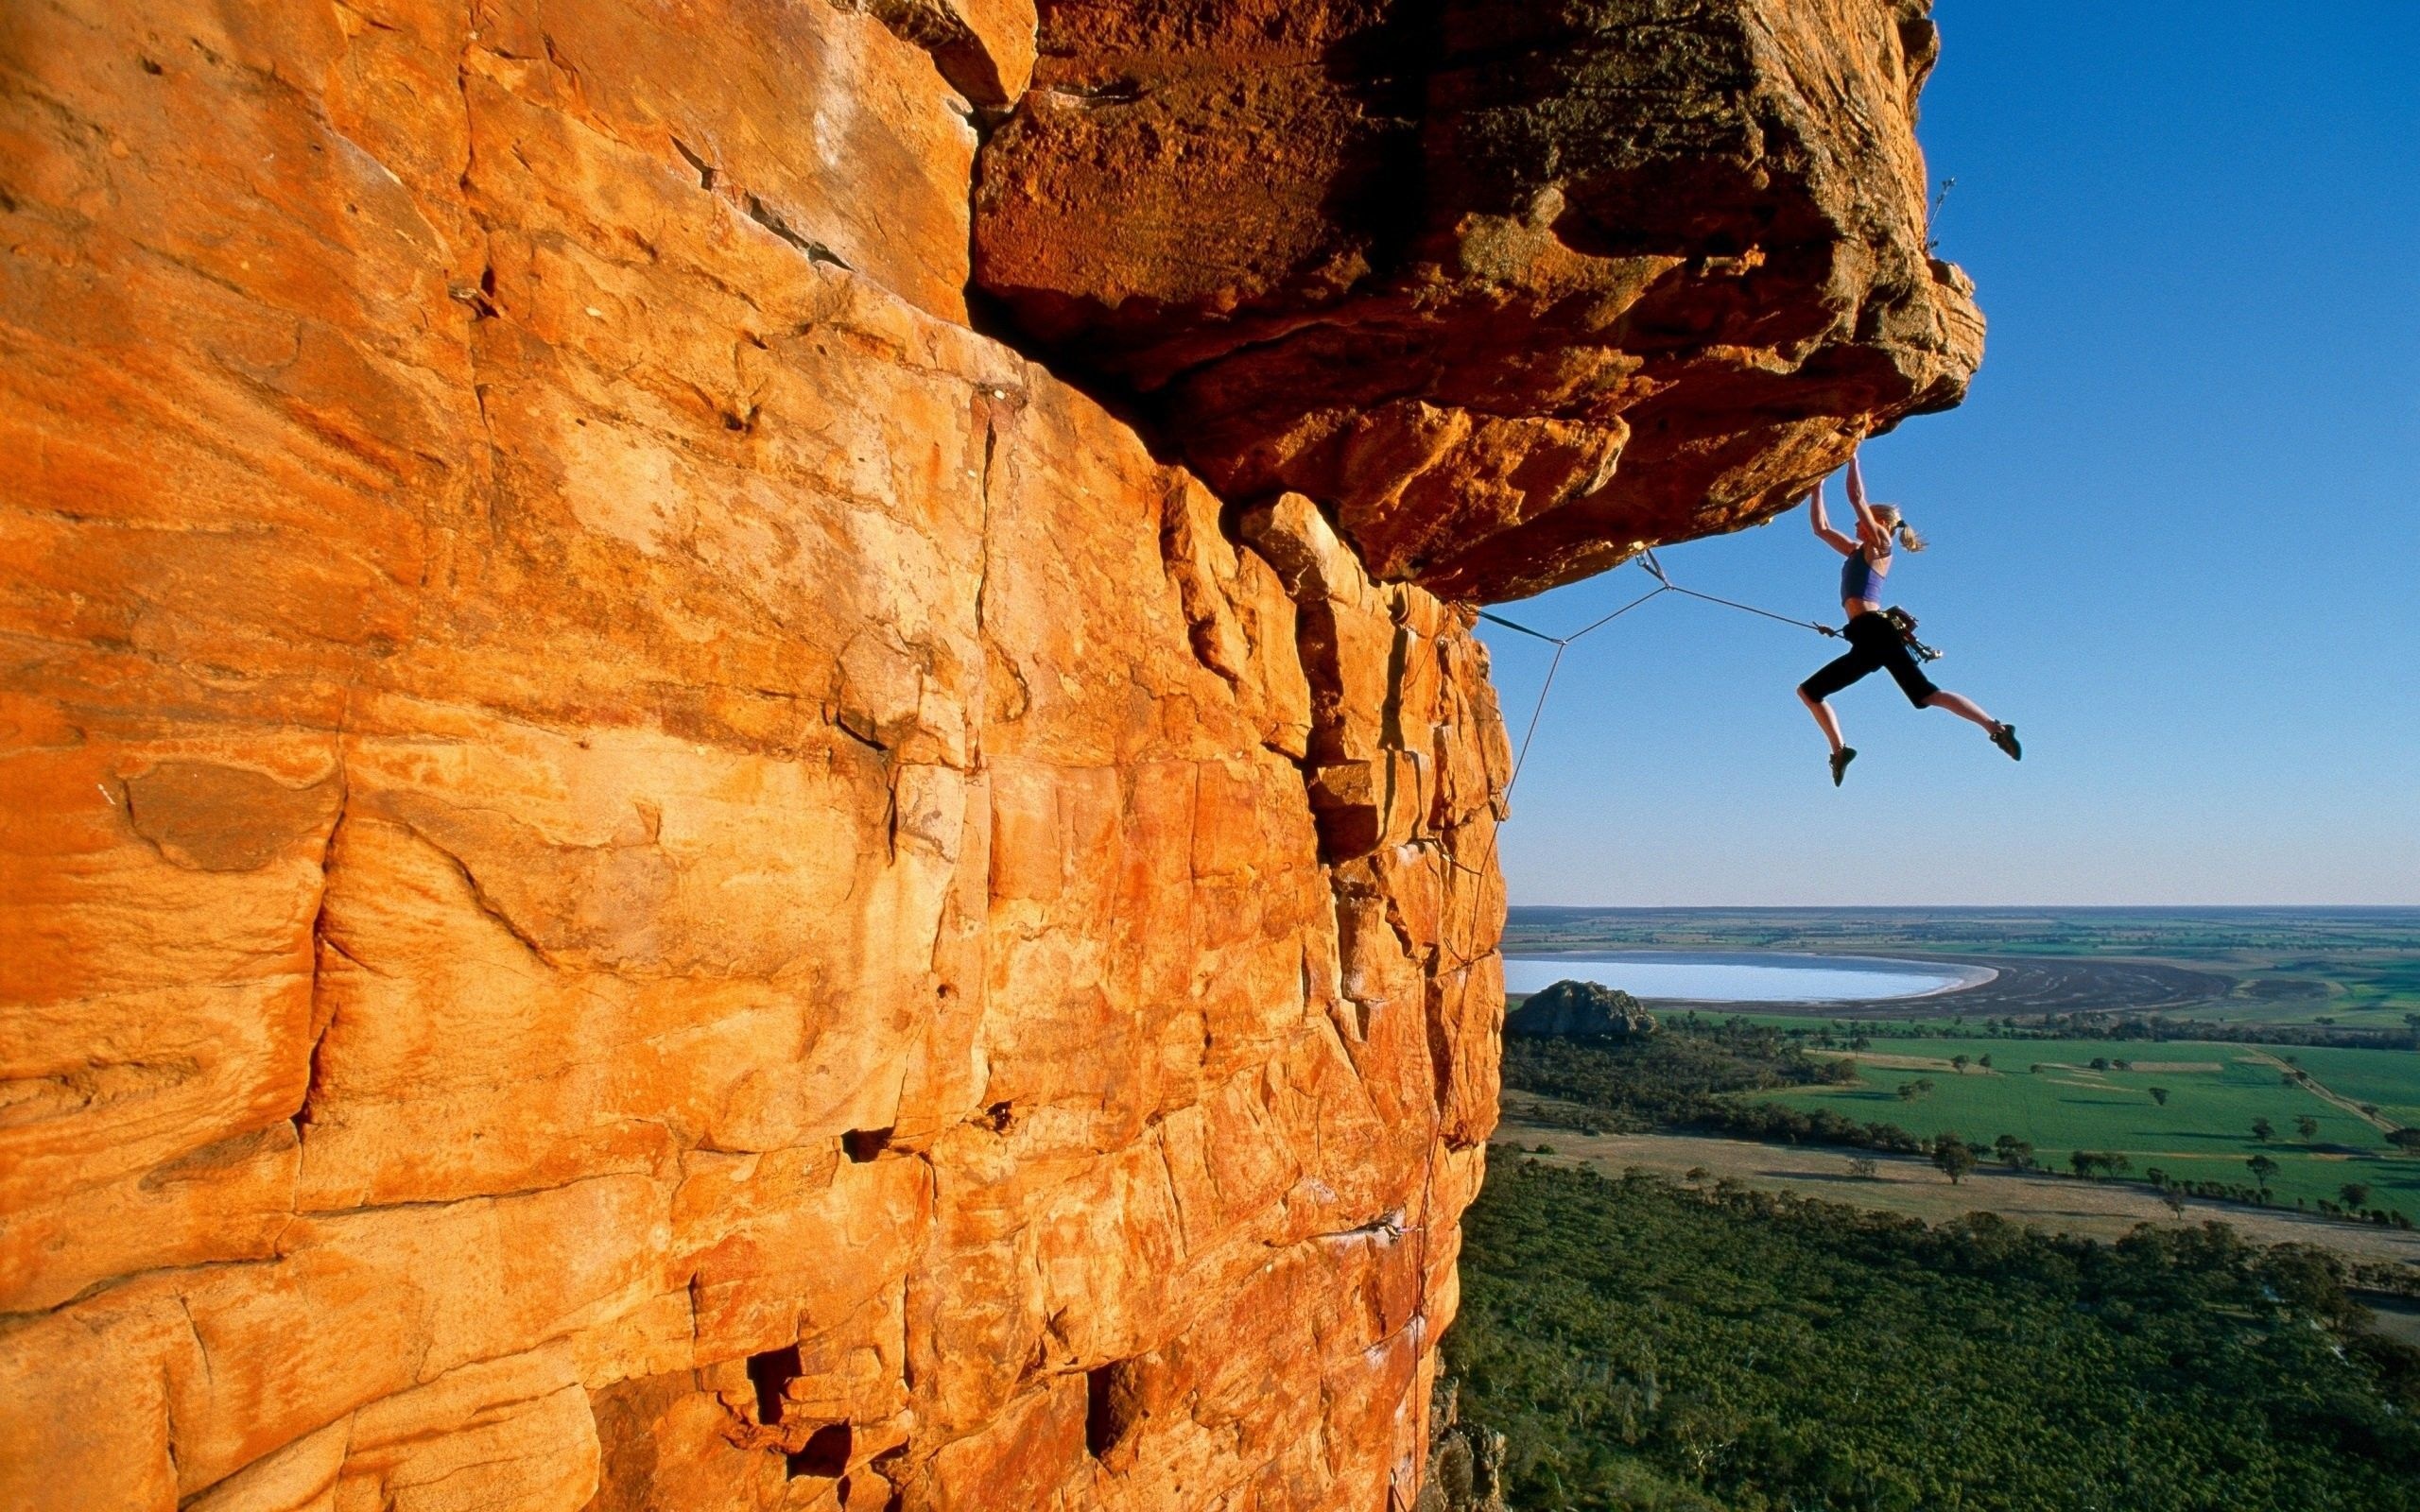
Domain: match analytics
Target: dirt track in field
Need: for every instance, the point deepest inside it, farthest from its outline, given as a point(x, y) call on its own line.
point(1911, 1185)
point(2313, 1084)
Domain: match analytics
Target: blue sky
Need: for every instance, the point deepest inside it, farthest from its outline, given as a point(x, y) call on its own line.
point(2176, 526)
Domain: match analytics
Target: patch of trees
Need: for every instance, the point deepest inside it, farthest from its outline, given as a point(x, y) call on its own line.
point(1687, 1075)
point(2156, 1028)
point(1644, 1081)
point(2388, 1278)
point(1790, 1125)
point(2353, 1197)
point(1722, 1350)
point(2151, 1027)
point(1954, 1157)
point(2094, 1165)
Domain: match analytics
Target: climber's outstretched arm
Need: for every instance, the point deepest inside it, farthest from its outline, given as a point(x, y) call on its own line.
point(1822, 525)
point(1856, 495)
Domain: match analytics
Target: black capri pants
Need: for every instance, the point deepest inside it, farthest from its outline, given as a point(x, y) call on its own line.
point(1874, 645)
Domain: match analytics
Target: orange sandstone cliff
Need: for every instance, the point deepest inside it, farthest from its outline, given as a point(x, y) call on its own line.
point(740, 760)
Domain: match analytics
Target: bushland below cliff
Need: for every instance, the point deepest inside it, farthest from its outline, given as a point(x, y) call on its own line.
point(1646, 1347)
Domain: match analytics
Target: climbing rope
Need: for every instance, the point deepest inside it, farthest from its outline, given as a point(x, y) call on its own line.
point(1664, 584)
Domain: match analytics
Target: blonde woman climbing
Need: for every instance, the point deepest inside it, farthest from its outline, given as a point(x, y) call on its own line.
point(1878, 640)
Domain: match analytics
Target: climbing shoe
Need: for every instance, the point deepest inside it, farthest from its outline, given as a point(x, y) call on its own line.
point(2005, 738)
point(1842, 758)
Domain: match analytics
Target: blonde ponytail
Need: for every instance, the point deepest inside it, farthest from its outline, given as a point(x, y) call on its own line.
point(1895, 524)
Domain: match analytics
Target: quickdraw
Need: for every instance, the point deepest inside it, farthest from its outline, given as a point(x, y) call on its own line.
point(1905, 624)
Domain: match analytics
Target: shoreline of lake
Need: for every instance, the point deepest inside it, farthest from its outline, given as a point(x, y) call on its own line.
point(1941, 977)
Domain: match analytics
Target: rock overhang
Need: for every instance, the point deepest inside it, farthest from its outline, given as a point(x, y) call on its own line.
point(1509, 290)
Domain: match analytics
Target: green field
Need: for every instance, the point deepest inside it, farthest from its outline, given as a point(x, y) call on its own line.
point(2384, 1079)
point(2350, 992)
point(2046, 1092)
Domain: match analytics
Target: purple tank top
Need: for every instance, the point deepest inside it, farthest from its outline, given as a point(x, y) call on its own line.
point(1861, 580)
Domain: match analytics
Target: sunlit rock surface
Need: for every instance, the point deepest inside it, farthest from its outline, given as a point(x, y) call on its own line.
point(639, 872)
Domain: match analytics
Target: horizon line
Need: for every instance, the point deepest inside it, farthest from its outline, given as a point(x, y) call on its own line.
point(1878, 908)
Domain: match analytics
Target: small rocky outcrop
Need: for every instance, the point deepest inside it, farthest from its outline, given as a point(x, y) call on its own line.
point(1465, 1460)
point(1580, 1010)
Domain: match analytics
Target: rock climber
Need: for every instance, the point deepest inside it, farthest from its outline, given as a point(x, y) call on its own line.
point(1879, 641)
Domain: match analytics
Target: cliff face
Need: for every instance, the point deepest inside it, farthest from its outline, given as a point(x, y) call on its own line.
point(641, 872)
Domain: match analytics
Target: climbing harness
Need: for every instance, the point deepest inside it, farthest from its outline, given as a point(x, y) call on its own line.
point(1905, 624)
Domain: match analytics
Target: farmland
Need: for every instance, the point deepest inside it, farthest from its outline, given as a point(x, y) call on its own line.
point(2391, 1083)
point(1910, 1186)
point(2189, 1113)
point(2064, 1095)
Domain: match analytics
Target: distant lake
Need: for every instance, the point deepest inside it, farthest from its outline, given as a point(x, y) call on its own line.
point(1762, 977)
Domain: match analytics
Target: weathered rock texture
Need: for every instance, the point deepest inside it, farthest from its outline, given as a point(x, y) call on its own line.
point(1465, 1470)
point(641, 873)
point(1512, 286)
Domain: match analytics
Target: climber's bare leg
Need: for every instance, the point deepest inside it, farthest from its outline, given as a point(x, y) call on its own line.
point(1963, 707)
point(1825, 719)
